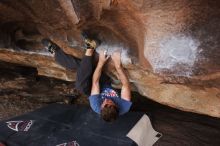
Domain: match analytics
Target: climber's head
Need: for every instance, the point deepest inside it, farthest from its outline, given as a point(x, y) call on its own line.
point(109, 110)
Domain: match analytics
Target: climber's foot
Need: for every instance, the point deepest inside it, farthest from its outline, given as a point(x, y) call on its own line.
point(90, 42)
point(49, 45)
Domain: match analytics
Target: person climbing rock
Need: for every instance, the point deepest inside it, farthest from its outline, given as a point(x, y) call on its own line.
point(107, 102)
point(104, 99)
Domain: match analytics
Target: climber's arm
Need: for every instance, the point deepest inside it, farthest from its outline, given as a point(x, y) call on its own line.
point(97, 74)
point(126, 89)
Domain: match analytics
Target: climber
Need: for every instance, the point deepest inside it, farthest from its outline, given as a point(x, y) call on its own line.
point(104, 99)
point(108, 103)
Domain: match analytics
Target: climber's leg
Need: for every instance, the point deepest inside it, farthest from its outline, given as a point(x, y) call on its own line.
point(65, 60)
point(85, 72)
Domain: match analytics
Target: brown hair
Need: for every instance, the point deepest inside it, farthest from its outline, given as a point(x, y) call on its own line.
point(109, 113)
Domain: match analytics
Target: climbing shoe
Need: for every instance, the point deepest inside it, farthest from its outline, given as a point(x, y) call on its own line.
point(49, 45)
point(90, 42)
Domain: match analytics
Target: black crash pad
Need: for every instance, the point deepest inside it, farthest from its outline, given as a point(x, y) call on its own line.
point(57, 124)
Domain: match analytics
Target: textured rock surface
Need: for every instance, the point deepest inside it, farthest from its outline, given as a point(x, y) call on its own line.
point(22, 90)
point(170, 48)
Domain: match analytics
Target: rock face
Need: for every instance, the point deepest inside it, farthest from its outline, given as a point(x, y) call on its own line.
point(170, 48)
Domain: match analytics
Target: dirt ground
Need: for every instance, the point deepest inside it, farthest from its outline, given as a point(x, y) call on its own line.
point(21, 90)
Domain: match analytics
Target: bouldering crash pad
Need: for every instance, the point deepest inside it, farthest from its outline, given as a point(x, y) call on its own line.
point(61, 125)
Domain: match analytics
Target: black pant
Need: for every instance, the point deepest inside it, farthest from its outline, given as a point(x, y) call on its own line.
point(84, 67)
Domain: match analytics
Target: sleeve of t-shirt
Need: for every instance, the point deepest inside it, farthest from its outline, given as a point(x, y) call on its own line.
point(123, 105)
point(95, 103)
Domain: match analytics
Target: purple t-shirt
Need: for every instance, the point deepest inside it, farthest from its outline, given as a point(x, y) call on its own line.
point(97, 100)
